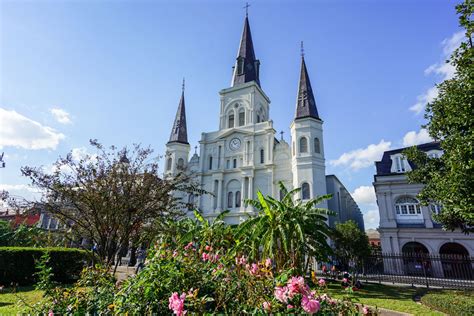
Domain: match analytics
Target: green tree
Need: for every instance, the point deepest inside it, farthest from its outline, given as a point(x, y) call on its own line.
point(449, 180)
point(351, 245)
point(286, 230)
point(110, 197)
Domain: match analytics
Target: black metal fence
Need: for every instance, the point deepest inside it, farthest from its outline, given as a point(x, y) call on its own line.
point(447, 271)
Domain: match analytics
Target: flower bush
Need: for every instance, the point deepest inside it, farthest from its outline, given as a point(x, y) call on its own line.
point(197, 278)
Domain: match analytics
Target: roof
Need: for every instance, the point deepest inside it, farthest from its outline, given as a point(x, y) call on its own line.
point(305, 103)
point(179, 133)
point(28, 220)
point(385, 165)
point(246, 55)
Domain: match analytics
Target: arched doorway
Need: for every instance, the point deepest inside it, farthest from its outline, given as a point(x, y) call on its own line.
point(416, 260)
point(455, 261)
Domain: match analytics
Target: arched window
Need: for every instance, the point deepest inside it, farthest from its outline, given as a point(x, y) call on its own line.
point(241, 117)
point(407, 206)
point(210, 162)
point(258, 118)
point(169, 163)
point(303, 145)
point(181, 163)
point(231, 121)
point(230, 200)
point(305, 194)
point(237, 199)
point(234, 163)
point(262, 156)
point(317, 146)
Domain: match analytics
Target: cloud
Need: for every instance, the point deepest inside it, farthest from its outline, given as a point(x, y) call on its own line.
point(16, 187)
point(442, 69)
point(364, 195)
point(20, 192)
point(424, 99)
point(371, 219)
point(61, 116)
point(413, 138)
point(362, 157)
point(19, 131)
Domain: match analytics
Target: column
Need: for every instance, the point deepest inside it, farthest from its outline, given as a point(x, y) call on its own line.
point(250, 192)
point(242, 193)
point(219, 195)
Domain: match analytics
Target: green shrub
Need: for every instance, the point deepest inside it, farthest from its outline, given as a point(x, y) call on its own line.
point(450, 302)
point(18, 264)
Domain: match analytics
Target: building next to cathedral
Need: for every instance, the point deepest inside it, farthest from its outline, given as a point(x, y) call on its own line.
point(244, 156)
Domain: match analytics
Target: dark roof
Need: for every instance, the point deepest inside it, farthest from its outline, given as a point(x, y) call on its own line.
point(179, 133)
point(124, 158)
point(385, 165)
point(246, 56)
point(305, 104)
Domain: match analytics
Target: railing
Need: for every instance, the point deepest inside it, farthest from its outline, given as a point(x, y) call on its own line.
point(447, 271)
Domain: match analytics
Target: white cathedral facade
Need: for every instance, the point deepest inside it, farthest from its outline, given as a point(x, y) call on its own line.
point(243, 156)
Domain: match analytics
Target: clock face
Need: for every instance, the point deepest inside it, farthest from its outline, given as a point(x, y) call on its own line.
point(234, 144)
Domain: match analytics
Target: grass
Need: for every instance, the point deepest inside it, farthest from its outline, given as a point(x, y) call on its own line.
point(10, 302)
point(397, 298)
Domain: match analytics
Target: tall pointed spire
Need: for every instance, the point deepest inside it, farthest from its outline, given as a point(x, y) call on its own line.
point(247, 66)
point(179, 133)
point(305, 104)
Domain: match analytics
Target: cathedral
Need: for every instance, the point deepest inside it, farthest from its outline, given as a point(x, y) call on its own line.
point(244, 156)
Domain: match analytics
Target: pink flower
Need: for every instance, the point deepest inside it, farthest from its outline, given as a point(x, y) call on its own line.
point(345, 280)
point(289, 306)
point(365, 310)
point(309, 305)
point(208, 248)
point(205, 256)
point(281, 294)
point(254, 269)
point(268, 262)
point(296, 285)
point(267, 306)
point(240, 260)
point(188, 245)
point(176, 303)
point(322, 282)
point(175, 253)
point(50, 313)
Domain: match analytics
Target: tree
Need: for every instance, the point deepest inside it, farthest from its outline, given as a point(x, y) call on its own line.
point(449, 180)
point(286, 230)
point(351, 245)
point(109, 197)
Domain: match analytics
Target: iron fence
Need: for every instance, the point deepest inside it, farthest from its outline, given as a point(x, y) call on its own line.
point(446, 271)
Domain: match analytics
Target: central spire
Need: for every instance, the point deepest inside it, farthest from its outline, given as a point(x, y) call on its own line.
point(305, 104)
point(179, 133)
point(247, 66)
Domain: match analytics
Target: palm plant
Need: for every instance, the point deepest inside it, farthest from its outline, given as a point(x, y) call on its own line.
point(286, 230)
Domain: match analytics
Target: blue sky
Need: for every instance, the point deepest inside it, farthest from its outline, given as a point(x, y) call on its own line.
point(112, 70)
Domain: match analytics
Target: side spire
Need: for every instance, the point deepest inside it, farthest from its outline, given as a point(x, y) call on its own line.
point(179, 133)
point(305, 104)
point(247, 67)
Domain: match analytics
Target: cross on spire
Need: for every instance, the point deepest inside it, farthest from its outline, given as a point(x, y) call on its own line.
point(195, 150)
point(281, 133)
point(246, 7)
point(182, 86)
point(302, 49)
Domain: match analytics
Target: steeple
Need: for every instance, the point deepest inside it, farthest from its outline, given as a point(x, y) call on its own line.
point(305, 104)
point(247, 66)
point(179, 132)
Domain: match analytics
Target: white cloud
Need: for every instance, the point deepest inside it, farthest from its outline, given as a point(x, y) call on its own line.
point(362, 157)
point(61, 116)
point(364, 195)
point(371, 219)
point(445, 70)
point(16, 187)
point(19, 131)
point(424, 99)
point(413, 138)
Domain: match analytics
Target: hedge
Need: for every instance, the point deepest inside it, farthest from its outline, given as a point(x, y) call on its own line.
point(450, 302)
point(18, 264)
